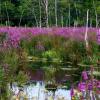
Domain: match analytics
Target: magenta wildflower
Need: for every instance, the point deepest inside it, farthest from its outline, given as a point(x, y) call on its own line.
point(84, 75)
point(82, 86)
point(75, 33)
point(72, 92)
point(90, 86)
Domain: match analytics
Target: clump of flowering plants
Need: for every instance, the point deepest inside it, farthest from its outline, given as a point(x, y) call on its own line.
point(76, 33)
point(9, 66)
point(88, 87)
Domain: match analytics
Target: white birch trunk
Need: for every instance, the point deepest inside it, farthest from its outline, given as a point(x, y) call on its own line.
point(45, 6)
point(76, 14)
point(96, 15)
point(46, 9)
point(0, 13)
point(69, 16)
point(21, 18)
point(40, 13)
point(96, 19)
point(35, 17)
point(7, 23)
point(86, 32)
point(56, 13)
point(62, 22)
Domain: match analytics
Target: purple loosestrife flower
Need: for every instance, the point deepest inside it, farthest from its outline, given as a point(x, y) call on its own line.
point(72, 92)
point(90, 86)
point(82, 86)
point(75, 33)
point(98, 84)
point(84, 75)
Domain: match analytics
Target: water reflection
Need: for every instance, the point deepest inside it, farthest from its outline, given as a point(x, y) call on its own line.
point(38, 92)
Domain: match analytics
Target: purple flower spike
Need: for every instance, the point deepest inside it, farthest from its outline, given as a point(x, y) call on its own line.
point(82, 86)
point(84, 75)
point(72, 92)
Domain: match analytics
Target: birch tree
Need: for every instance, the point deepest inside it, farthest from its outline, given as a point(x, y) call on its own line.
point(56, 13)
point(95, 14)
point(7, 22)
point(86, 32)
point(45, 4)
point(35, 17)
point(21, 18)
point(40, 13)
point(62, 23)
point(69, 15)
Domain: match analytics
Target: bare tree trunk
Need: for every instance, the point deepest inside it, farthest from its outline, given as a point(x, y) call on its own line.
point(96, 15)
point(56, 13)
point(91, 23)
point(8, 23)
point(40, 13)
point(21, 18)
point(69, 16)
point(76, 22)
point(86, 32)
point(62, 22)
point(46, 3)
point(0, 14)
point(35, 17)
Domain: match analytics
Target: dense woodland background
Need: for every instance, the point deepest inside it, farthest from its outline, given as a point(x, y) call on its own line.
point(49, 12)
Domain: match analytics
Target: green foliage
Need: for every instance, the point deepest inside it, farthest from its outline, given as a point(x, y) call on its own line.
point(49, 75)
point(1, 76)
point(21, 78)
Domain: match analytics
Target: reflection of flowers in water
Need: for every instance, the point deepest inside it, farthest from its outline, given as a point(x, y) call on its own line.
point(40, 46)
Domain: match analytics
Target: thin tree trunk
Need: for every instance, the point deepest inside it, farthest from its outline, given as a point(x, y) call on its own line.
point(8, 23)
point(62, 22)
point(21, 18)
point(35, 17)
point(96, 15)
point(91, 23)
point(40, 13)
point(0, 13)
point(76, 14)
point(86, 32)
point(46, 3)
point(45, 6)
point(69, 16)
point(56, 13)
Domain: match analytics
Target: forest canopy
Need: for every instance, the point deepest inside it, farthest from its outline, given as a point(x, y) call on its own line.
point(49, 12)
